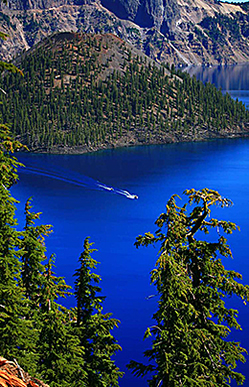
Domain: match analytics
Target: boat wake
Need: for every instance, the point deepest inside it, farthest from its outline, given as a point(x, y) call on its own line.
point(127, 194)
point(106, 187)
point(118, 191)
point(79, 180)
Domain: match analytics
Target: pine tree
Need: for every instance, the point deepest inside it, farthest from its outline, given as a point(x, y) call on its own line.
point(190, 335)
point(15, 330)
point(93, 327)
point(33, 254)
point(60, 354)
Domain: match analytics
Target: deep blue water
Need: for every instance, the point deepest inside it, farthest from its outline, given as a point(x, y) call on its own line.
point(69, 191)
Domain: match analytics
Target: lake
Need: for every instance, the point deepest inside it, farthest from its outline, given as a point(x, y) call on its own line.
point(73, 192)
point(231, 79)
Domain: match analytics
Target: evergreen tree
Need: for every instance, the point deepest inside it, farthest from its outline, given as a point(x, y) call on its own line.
point(15, 330)
point(190, 335)
point(33, 255)
point(34, 328)
point(53, 106)
point(92, 326)
point(60, 353)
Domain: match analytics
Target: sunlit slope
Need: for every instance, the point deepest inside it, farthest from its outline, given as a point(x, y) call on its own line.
point(88, 92)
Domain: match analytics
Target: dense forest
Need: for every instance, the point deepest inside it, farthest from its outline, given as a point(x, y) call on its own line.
point(88, 92)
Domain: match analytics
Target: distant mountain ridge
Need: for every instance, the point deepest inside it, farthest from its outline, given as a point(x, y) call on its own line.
point(175, 31)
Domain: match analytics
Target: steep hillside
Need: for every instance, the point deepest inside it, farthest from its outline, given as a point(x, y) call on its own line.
point(174, 31)
point(88, 92)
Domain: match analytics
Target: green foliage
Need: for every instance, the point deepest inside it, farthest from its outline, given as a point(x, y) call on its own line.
point(35, 328)
point(75, 346)
point(9, 66)
point(33, 255)
point(221, 26)
point(85, 288)
point(15, 326)
point(93, 327)
point(60, 355)
point(70, 96)
point(190, 336)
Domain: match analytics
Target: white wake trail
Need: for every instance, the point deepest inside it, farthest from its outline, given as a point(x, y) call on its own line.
point(127, 194)
point(80, 180)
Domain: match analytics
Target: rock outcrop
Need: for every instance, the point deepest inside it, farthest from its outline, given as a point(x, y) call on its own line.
point(175, 31)
point(12, 375)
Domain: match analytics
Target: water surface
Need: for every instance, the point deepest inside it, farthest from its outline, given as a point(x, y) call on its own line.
point(69, 191)
point(233, 79)
point(112, 221)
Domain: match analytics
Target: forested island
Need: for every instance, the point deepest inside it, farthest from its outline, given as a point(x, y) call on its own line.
point(82, 93)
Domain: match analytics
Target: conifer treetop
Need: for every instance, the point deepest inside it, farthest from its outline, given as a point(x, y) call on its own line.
point(190, 335)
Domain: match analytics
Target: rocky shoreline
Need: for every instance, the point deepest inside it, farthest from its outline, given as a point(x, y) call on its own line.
point(77, 150)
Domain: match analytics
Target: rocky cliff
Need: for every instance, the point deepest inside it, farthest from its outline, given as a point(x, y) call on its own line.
point(174, 31)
